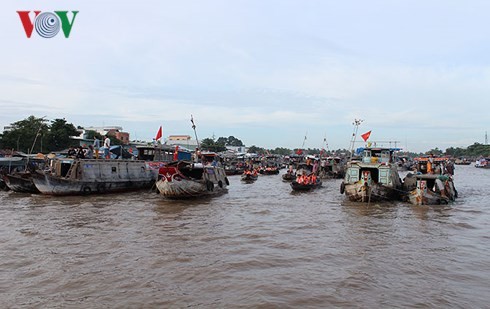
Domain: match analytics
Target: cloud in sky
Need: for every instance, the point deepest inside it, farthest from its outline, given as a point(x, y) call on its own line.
point(264, 71)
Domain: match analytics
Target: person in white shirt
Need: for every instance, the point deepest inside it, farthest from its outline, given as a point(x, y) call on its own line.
point(107, 146)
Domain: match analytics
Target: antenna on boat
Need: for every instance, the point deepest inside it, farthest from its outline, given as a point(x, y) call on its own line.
point(356, 123)
point(195, 133)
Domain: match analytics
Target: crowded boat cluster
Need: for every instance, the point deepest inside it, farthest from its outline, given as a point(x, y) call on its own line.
point(370, 174)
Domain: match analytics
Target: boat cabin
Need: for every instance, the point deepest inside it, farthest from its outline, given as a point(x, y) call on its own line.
point(377, 155)
point(438, 165)
point(375, 166)
point(162, 154)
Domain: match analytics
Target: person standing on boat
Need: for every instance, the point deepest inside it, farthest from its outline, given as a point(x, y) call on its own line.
point(96, 146)
point(430, 164)
point(107, 146)
point(315, 167)
point(197, 155)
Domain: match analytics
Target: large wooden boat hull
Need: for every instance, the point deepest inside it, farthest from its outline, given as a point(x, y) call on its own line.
point(187, 188)
point(21, 182)
point(50, 185)
point(359, 192)
point(95, 177)
point(186, 180)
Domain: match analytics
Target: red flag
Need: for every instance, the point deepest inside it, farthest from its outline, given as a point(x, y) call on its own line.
point(299, 152)
point(159, 134)
point(366, 135)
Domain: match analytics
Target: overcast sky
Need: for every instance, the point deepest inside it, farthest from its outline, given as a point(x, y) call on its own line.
point(265, 71)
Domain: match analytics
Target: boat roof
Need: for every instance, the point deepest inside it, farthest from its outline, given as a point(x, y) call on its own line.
point(425, 159)
point(376, 149)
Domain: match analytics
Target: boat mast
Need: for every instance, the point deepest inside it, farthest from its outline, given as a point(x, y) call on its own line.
point(35, 140)
point(356, 123)
point(195, 133)
point(303, 146)
point(325, 143)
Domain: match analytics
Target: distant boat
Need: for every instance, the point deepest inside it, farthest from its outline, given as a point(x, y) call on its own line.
point(249, 176)
point(185, 179)
point(373, 178)
point(483, 163)
point(332, 167)
point(269, 170)
point(89, 176)
point(462, 161)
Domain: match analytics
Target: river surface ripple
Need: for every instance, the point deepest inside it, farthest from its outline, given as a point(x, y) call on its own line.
point(259, 246)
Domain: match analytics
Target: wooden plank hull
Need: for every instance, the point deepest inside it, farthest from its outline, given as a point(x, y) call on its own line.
point(94, 177)
point(186, 180)
point(305, 187)
point(50, 185)
point(359, 192)
point(20, 183)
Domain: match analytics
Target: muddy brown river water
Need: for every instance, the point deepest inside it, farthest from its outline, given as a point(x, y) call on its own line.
point(258, 246)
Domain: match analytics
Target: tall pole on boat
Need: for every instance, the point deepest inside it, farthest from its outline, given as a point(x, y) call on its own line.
point(35, 139)
point(325, 142)
point(195, 133)
point(356, 123)
point(303, 146)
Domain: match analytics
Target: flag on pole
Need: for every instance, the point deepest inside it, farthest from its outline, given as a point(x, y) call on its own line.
point(159, 134)
point(366, 135)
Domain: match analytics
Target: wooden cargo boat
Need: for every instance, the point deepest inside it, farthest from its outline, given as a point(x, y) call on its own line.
point(432, 184)
point(427, 189)
point(373, 178)
point(184, 179)
point(81, 176)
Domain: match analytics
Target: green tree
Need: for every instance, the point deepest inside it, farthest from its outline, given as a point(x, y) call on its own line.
point(255, 149)
point(436, 151)
point(211, 145)
point(282, 151)
point(26, 134)
point(90, 135)
point(229, 141)
point(59, 134)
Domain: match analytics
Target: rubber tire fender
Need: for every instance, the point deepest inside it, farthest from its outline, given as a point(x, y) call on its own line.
point(227, 181)
point(220, 184)
point(342, 188)
point(101, 187)
point(86, 190)
point(209, 185)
